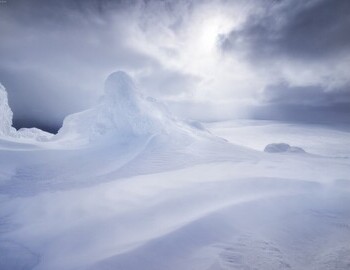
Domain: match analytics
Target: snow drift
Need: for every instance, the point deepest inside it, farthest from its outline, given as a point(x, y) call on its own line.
point(124, 135)
point(6, 114)
point(124, 185)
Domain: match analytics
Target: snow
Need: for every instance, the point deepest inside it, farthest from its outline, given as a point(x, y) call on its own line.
point(6, 129)
point(313, 138)
point(33, 133)
point(124, 185)
point(6, 114)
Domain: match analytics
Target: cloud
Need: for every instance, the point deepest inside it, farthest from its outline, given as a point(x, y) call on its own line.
point(313, 95)
point(302, 48)
point(307, 30)
point(303, 103)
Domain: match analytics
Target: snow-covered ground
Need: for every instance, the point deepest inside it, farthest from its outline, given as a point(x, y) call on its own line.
point(162, 194)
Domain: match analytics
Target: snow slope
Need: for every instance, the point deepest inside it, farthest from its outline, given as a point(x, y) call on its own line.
point(125, 186)
point(313, 138)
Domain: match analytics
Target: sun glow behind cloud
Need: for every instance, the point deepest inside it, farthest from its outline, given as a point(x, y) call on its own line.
point(190, 46)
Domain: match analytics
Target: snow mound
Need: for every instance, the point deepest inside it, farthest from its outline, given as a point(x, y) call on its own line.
point(34, 133)
point(122, 114)
point(282, 148)
point(6, 114)
point(6, 129)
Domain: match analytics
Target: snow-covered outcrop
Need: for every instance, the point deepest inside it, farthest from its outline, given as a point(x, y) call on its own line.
point(6, 129)
point(282, 148)
point(6, 114)
point(122, 114)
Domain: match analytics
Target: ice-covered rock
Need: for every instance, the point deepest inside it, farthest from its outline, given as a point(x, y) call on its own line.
point(6, 114)
point(282, 148)
point(6, 129)
point(121, 114)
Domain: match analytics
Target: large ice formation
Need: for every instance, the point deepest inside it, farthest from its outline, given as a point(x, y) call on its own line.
point(6, 129)
point(6, 114)
point(122, 114)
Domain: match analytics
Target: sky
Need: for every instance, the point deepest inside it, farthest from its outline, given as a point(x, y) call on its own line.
point(206, 60)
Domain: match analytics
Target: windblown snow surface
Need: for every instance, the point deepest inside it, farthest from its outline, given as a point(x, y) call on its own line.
point(124, 186)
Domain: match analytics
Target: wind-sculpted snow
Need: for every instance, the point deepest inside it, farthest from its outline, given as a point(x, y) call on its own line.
point(33, 133)
point(126, 186)
point(6, 129)
point(122, 114)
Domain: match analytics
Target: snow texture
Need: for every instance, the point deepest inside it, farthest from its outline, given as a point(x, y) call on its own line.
point(6, 114)
point(34, 134)
point(126, 186)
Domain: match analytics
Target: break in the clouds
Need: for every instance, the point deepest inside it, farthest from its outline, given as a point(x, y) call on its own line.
point(206, 59)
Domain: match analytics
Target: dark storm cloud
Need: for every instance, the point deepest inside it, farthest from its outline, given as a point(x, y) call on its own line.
point(331, 114)
point(298, 37)
point(304, 29)
point(48, 52)
point(304, 103)
point(283, 93)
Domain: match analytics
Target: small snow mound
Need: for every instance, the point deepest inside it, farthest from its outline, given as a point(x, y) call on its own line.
point(197, 125)
point(122, 114)
point(34, 133)
point(282, 148)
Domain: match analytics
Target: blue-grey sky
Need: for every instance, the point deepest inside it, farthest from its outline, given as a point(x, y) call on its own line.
point(218, 59)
